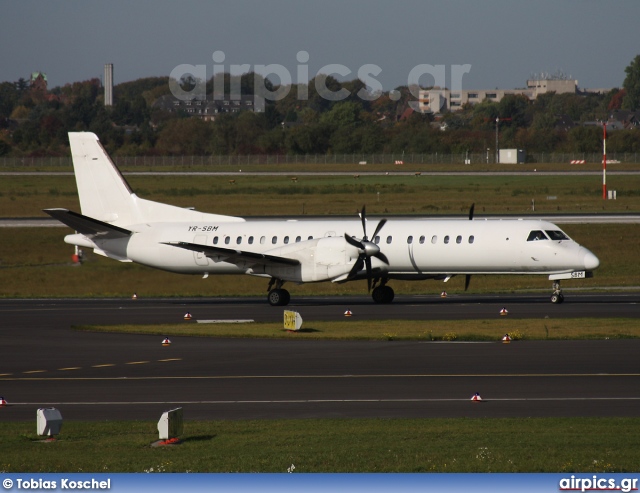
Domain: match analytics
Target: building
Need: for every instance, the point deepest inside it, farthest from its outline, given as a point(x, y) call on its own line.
point(208, 109)
point(438, 100)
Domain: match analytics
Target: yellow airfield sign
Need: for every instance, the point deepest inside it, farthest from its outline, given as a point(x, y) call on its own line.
point(292, 320)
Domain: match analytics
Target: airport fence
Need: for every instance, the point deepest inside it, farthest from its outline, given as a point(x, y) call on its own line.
point(317, 159)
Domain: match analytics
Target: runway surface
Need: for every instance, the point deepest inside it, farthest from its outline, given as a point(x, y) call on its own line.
point(92, 376)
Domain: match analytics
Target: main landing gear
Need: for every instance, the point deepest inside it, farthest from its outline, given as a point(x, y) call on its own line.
point(277, 296)
point(557, 296)
point(382, 294)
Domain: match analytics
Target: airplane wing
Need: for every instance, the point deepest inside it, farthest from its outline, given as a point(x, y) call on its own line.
point(88, 226)
point(234, 256)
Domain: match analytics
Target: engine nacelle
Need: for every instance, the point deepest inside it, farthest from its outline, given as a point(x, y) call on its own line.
point(321, 259)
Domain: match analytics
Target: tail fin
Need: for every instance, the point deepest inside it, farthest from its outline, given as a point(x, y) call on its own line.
point(106, 196)
point(104, 193)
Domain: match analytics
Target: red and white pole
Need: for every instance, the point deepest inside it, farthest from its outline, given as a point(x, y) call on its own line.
point(604, 162)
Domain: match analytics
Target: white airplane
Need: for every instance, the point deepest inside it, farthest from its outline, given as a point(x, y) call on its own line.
point(118, 224)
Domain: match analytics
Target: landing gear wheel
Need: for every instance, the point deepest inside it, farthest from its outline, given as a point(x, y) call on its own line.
point(557, 297)
point(383, 294)
point(279, 297)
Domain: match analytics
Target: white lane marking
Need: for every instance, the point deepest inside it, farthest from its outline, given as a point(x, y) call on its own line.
point(320, 401)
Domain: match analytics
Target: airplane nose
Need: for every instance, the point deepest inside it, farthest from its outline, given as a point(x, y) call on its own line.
point(590, 261)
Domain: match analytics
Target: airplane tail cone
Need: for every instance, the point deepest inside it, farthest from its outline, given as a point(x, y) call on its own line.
point(348, 313)
point(443, 294)
point(3, 402)
point(476, 398)
point(166, 342)
point(504, 312)
point(187, 316)
point(506, 339)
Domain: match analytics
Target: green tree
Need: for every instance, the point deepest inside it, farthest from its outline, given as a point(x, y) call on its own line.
point(631, 85)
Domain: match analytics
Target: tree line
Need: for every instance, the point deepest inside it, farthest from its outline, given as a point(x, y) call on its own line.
point(35, 122)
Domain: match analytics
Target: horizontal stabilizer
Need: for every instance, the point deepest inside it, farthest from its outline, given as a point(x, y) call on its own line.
point(87, 225)
point(234, 256)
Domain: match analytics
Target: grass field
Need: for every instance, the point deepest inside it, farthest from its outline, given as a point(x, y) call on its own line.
point(399, 330)
point(333, 445)
point(26, 196)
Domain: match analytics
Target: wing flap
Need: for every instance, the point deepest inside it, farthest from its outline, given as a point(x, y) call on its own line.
point(88, 226)
point(234, 256)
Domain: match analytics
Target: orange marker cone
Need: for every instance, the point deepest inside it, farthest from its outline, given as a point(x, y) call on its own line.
point(348, 313)
point(504, 312)
point(476, 398)
point(506, 339)
point(187, 316)
point(166, 342)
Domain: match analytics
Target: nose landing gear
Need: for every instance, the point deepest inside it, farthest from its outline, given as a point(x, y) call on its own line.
point(557, 297)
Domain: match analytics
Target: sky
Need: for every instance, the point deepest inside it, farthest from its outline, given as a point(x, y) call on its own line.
point(488, 43)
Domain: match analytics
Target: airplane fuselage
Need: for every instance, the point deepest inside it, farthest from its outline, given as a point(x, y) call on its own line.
point(416, 248)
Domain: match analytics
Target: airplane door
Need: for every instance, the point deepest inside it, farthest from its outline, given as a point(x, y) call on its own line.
point(200, 257)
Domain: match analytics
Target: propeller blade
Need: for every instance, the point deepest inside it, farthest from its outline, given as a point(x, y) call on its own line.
point(367, 262)
point(356, 268)
point(363, 218)
point(473, 206)
point(382, 257)
point(352, 241)
point(467, 279)
point(378, 228)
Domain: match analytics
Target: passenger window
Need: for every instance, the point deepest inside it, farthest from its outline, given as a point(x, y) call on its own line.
point(239, 240)
point(250, 240)
point(389, 240)
point(421, 240)
point(446, 239)
point(274, 240)
point(557, 235)
point(298, 238)
point(310, 238)
point(227, 239)
point(376, 240)
point(471, 239)
point(409, 240)
point(459, 240)
point(262, 240)
point(215, 240)
point(434, 239)
point(286, 240)
point(536, 235)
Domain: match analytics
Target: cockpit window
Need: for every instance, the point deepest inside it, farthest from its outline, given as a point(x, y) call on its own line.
point(536, 235)
point(557, 235)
